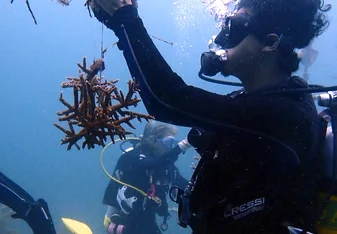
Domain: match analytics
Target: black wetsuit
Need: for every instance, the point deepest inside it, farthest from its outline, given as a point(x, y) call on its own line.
point(250, 183)
point(35, 213)
point(135, 168)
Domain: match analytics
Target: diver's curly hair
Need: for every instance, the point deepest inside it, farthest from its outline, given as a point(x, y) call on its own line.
point(298, 21)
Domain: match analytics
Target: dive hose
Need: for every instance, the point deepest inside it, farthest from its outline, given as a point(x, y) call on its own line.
point(113, 178)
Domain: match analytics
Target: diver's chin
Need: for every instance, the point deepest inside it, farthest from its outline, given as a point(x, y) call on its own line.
point(225, 73)
point(227, 70)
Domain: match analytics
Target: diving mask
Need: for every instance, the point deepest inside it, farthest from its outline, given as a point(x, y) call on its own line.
point(234, 30)
point(169, 142)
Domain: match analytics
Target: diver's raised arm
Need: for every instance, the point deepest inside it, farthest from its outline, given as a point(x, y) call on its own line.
point(164, 93)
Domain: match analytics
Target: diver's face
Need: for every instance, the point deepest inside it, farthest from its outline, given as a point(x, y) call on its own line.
point(245, 57)
point(164, 145)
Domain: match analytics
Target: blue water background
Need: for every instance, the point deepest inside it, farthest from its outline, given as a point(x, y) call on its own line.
point(35, 59)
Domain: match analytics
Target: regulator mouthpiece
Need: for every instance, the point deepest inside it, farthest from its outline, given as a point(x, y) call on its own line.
point(212, 62)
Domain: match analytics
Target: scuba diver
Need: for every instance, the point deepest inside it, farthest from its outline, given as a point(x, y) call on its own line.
point(308, 56)
point(143, 175)
point(258, 145)
point(34, 212)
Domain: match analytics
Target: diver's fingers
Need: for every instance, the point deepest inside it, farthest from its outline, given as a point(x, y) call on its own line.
point(111, 6)
point(135, 3)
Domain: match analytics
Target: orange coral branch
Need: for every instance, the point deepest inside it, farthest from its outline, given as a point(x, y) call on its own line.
point(98, 109)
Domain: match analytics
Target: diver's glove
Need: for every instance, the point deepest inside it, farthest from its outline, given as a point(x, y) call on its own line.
point(184, 145)
point(104, 9)
point(115, 228)
point(38, 217)
point(114, 13)
point(109, 6)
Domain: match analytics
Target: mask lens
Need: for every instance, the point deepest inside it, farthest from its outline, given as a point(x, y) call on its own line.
point(223, 38)
point(235, 30)
point(170, 142)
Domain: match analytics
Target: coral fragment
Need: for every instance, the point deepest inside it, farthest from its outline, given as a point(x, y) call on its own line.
point(98, 110)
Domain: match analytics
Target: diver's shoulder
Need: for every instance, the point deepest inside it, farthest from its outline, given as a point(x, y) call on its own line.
point(134, 154)
point(297, 82)
point(128, 155)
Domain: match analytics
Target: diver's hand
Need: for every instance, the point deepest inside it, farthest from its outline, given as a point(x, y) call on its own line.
point(115, 228)
point(110, 6)
point(184, 145)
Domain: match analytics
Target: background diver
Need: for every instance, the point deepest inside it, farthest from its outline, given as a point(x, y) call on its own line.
point(148, 167)
point(258, 145)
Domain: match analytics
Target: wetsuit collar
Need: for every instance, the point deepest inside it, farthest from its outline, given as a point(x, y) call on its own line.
point(293, 82)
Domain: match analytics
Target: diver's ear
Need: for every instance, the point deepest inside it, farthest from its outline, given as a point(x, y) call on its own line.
point(271, 43)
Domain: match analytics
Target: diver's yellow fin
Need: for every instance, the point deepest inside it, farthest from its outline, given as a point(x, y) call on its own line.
point(76, 227)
